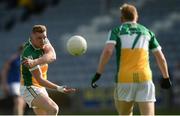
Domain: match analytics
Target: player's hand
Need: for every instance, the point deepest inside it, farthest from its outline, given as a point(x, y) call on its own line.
point(94, 79)
point(65, 89)
point(165, 83)
point(29, 63)
point(69, 90)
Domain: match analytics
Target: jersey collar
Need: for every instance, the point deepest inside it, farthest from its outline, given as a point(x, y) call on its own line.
point(33, 45)
point(130, 22)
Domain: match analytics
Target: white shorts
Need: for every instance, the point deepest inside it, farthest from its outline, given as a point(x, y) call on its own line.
point(29, 93)
point(138, 92)
point(14, 88)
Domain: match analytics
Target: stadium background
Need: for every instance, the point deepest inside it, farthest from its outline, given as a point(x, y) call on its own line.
point(92, 19)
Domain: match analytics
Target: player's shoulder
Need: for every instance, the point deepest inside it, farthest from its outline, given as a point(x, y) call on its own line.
point(121, 29)
point(145, 30)
point(27, 48)
point(142, 27)
point(116, 29)
point(27, 51)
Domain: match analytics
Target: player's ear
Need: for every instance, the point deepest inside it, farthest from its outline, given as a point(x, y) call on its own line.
point(122, 19)
point(31, 35)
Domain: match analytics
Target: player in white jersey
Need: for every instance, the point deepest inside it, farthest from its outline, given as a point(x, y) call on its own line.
point(132, 42)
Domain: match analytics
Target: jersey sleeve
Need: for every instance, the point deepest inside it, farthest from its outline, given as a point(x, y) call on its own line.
point(153, 43)
point(113, 36)
point(26, 54)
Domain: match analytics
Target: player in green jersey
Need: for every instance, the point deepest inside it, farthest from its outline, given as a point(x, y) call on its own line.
point(36, 55)
point(132, 42)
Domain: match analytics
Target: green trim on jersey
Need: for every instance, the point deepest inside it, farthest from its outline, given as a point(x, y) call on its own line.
point(153, 41)
point(118, 56)
point(136, 40)
point(130, 28)
point(29, 52)
point(133, 28)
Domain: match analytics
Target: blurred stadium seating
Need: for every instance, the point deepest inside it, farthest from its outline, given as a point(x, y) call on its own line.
point(93, 19)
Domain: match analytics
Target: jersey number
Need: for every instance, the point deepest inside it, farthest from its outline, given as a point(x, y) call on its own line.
point(136, 40)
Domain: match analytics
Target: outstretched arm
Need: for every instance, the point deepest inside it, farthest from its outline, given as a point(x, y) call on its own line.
point(104, 59)
point(48, 57)
point(161, 61)
point(45, 83)
point(162, 64)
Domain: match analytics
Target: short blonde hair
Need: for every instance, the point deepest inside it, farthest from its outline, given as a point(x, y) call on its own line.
point(129, 12)
point(39, 28)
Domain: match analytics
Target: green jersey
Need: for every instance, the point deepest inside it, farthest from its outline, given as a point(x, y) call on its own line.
point(30, 52)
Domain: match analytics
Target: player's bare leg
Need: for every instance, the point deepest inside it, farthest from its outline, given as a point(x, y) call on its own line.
point(146, 108)
point(45, 103)
point(20, 105)
point(39, 111)
point(124, 108)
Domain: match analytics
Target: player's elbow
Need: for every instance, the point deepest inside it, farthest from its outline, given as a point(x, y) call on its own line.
point(52, 58)
point(163, 60)
point(108, 52)
point(38, 77)
point(40, 80)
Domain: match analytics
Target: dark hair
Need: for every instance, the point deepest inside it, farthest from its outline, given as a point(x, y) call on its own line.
point(129, 12)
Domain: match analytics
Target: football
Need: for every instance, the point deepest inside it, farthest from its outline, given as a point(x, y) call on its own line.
point(77, 45)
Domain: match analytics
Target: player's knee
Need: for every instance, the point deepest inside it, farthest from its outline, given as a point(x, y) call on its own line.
point(54, 110)
point(125, 111)
point(17, 101)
